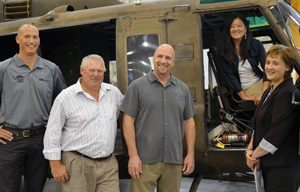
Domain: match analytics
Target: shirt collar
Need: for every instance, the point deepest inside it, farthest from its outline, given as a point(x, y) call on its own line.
point(152, 78)
point(20, 63)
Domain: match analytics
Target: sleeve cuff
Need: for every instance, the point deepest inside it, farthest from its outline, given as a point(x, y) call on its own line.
point(264, 144)
point(52, 155)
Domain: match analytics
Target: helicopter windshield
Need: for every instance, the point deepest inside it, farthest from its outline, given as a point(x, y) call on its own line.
point(289, 20)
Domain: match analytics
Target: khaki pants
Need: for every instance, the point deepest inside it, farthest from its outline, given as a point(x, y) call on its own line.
point(254, 89)
point(166, 177)
point(87, 175)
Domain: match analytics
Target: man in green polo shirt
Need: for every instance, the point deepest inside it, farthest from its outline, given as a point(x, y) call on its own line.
point(28, 84)
point(158, 114)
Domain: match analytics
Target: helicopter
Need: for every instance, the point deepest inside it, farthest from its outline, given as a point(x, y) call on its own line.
point(126, 36)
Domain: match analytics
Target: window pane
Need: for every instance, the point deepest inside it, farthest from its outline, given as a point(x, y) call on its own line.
point(140, 50)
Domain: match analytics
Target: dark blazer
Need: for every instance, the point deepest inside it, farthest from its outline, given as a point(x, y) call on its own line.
point(256, 56)
point(277, 121)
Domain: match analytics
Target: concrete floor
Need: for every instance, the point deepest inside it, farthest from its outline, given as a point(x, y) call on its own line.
point(206, 185)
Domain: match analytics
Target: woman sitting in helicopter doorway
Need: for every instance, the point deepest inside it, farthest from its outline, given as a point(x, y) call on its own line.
point(274, 146)
point(240, 56)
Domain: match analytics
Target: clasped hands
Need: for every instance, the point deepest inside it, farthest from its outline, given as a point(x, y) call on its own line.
point(251, 161)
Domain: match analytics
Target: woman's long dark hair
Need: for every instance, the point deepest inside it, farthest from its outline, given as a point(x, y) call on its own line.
point(227, 45)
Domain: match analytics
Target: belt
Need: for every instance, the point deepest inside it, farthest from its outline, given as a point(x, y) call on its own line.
point(97, 159)
point(26, 132)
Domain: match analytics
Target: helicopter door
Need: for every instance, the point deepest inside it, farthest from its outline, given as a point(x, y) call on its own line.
point(183, 29)
point(183, 33)
point(137, 39)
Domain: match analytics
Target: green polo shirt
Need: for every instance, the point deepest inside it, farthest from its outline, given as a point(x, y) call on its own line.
point(160, 113)
point(27, 94)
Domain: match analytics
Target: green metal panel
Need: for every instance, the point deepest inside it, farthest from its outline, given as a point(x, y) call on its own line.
point(257, 21)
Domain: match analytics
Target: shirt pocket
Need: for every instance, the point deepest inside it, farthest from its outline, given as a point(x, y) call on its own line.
point(178, 101)
point(110, 111)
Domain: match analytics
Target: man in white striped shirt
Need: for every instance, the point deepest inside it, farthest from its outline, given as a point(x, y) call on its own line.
point(81, 131)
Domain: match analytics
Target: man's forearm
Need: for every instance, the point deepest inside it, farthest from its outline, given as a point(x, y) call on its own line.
point(190, 135)
point(129, 134)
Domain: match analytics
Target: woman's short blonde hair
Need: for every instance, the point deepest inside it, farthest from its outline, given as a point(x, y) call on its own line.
point(286, 55)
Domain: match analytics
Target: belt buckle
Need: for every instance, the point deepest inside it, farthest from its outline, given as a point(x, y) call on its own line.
point(26, 133)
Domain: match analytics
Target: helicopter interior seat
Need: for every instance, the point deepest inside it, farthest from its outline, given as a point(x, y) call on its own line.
point(224, 90)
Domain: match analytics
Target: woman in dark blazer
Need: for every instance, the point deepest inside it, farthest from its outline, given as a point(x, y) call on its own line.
point(274, 144)
point(240, 56)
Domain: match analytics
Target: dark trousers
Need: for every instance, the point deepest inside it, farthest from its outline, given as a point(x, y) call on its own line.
point(281, 178)
point(23, 153)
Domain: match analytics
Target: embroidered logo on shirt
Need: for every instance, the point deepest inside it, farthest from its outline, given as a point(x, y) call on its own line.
point(20, 78)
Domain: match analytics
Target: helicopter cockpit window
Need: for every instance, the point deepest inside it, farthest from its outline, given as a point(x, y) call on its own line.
point(290, 22)
point(140, 50)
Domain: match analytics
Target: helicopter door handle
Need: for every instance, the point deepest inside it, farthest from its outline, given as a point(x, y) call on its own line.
point(181, 8)
point(167, 19)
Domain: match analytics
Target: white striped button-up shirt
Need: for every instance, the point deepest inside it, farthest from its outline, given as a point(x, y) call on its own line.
point(78, 122)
